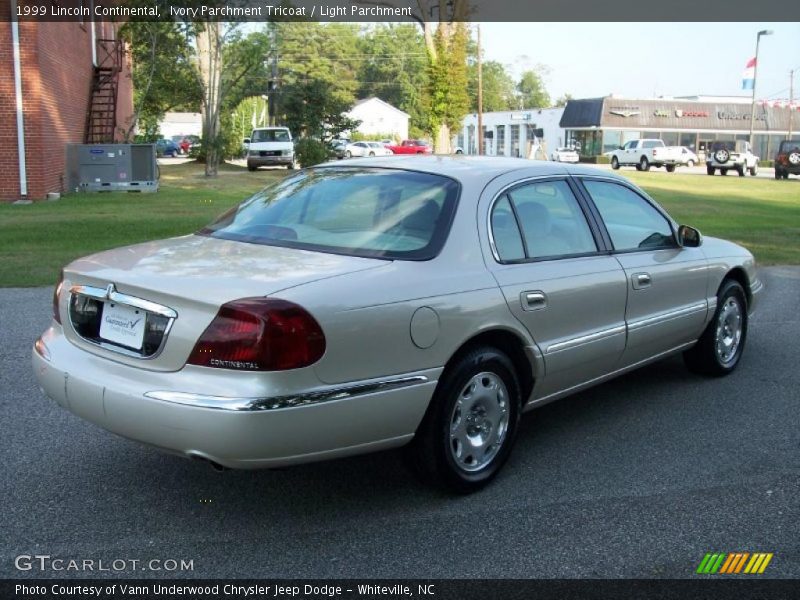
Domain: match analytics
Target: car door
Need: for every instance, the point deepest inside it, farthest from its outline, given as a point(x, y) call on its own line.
point(667, 304)
point(628, 155)
point(547, 257)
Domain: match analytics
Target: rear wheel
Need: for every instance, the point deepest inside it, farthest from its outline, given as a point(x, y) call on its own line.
point(372, 154)
point(720, 347)
point(250, 167)
point(741, 170)
point(467, 433)
point(723, 171)
point(670, 168)
point(614, 163)
point(348, 154)
point(690, 164)
point(778, 174)
point(710, 170)
point(754, 169)
point(644, 164)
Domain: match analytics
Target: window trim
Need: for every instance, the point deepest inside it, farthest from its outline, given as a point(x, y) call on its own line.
point(601, 223)
point(597, 233)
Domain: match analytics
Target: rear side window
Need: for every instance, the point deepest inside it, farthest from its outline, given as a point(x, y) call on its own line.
point(381, 213)
point(632, 222)
point(549, 219)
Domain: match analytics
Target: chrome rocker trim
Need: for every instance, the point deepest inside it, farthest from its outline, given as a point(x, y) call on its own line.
point(289, 401)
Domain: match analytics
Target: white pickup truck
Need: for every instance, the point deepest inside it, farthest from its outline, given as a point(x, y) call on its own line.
point(644, 154)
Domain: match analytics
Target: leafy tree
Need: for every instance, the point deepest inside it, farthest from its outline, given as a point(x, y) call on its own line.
point(531, 88)
point(163, 78)
point(313, 109)
point(447, 83)
point(499, 91)
point(562, 100)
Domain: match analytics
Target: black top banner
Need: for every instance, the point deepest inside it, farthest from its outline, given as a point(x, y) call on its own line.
point(404, 11)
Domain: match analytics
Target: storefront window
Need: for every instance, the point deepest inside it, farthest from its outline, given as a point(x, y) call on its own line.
point(670, 138)
point(514, 140)
point(587, 143)
point(487, 142)
point(612, 139)
point(627, 136)
point(501, 140)
point(761, 146)
point(651, 135)
point(689, 140)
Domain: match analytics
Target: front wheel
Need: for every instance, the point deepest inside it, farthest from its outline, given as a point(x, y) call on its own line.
point(723, 171)
point(690, 164)
point(720, 347)
point(644, 164)
point(615, 163)
point(467, 433)
point(348, 154)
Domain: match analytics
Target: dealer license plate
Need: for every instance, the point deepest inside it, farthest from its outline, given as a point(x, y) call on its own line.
point(123, 325)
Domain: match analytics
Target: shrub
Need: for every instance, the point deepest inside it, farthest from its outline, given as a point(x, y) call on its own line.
point(310, 152)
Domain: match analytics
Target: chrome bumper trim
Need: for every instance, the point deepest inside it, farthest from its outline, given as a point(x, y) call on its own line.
point(667, 316)
point(112, 295)
point(289, 401)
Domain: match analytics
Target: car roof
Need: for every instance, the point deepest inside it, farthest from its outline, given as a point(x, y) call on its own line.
point(471, 168)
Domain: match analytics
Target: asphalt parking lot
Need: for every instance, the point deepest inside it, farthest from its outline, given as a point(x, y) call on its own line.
point(639, 477)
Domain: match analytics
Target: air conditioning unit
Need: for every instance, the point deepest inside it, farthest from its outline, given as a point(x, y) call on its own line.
point(112, 168)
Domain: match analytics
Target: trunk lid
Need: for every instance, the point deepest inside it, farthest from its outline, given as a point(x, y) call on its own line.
point(193, 276)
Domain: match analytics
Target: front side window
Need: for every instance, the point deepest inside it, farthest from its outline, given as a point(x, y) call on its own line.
point(632, 222)
point(551, 221)
point(380, 213)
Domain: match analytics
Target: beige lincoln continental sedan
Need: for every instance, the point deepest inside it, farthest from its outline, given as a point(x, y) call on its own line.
point(422, 301)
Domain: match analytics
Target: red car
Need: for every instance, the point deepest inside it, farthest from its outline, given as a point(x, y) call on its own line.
point(412, 147)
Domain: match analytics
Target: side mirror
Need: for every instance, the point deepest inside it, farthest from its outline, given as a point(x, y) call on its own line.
point(246, 140)
point(689, 237)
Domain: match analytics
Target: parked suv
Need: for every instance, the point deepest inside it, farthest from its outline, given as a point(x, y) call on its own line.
point(731, 156)
point(787, 161)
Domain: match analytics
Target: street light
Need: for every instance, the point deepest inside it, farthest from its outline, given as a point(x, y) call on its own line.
point(755, 75)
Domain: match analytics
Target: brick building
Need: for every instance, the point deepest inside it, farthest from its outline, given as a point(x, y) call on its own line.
point(55, 73)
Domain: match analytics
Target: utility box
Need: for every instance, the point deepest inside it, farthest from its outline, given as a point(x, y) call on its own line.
point(112, 168)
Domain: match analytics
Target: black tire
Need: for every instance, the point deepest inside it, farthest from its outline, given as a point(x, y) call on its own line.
point(741, 171)
point(754, 169)
point(690, 164)
point(705, 358)
point(348, 154)
point(251, 167)
point(722, 155)
point(670, 168)
point(723, 171)
point(434, 452)
point(644, 164)
point(615, 163)
point(710, 170)
point(372, 154)
point(778, 174)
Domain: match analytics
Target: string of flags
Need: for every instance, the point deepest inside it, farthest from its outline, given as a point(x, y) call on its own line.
point(780, 103)
point(748, 79)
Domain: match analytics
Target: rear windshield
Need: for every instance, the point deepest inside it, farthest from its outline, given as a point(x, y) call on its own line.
point(270, 135)
point(378, 213)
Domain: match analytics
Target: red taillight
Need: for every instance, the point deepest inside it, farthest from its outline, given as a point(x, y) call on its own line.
point(260, 334)
point(56, 295)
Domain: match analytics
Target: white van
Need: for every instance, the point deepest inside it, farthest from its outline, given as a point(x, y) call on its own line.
point(270, 146)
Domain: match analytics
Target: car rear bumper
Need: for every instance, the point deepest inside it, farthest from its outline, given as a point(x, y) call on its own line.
point(232, 431)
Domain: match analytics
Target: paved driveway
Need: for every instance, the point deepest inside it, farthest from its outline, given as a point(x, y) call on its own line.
point(639, 477)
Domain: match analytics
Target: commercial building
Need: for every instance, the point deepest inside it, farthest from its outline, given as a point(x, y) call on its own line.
point(513, 133)
point(181, 123)
point(598, 125)
point(62, 82)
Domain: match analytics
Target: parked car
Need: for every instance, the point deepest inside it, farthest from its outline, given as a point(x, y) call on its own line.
point(731, 156)
point(646, 153)
point(270, 146)
point(567, 155)
point(189, 143)
point(787, 160)
point(366, 149)
point(365, 305)
point(412, 147)
point(166, 147)
point(688, 157)
point(338, 148)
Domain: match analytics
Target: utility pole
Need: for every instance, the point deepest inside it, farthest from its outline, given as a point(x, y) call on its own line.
point(272, 100)
point(791, 102)
point(480, 96)
point(755, 81)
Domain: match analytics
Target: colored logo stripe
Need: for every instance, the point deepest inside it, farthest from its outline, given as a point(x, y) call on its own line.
point(734, 562)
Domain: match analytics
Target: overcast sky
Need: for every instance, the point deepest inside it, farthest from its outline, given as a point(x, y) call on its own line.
point(648, 59)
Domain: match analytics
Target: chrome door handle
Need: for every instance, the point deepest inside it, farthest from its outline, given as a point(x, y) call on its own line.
point(533, 300)
point(641, 280)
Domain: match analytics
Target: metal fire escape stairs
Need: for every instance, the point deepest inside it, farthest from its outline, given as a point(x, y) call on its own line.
point(101, 115)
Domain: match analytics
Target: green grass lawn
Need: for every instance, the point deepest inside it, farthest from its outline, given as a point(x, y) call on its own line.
point(37, 240)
